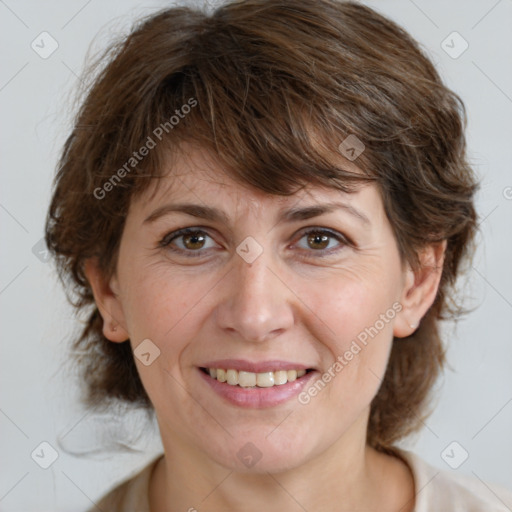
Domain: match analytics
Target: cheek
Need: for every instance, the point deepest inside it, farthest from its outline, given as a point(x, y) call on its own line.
point(167, 309)
point(359, 318)
point(349, 306)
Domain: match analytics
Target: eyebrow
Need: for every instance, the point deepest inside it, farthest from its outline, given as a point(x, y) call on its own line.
point(290, 215)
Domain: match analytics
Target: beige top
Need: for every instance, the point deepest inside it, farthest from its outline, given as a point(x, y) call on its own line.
point(436, 491)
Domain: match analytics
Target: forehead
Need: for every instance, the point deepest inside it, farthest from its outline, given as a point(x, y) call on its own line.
point(196, 175)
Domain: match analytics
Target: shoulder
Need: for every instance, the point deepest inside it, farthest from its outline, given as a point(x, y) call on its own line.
point(131, 494)
point(442, 490)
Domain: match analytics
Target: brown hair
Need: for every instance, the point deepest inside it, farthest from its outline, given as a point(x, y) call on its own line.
point(259, 77)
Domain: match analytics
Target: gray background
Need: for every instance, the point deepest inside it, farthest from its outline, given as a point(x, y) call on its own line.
point(38, 399)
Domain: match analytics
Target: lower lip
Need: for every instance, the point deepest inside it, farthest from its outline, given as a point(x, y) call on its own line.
point(257, 398)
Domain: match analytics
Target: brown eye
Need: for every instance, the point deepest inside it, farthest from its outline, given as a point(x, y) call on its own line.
point(193, 241)
point(318, 241)
point(321, 242)
point(189, 242)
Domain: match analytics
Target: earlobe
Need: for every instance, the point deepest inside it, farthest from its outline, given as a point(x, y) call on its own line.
point(107, 301)
point(420, 289)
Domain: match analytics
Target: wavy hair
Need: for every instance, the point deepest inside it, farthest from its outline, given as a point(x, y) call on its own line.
point(267, 75)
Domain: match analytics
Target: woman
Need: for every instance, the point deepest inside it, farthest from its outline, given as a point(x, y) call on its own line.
point(267, 208)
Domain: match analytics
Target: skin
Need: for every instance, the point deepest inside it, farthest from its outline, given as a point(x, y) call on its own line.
point(282, 306)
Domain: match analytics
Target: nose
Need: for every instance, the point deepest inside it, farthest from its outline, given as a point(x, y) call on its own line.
point(257, 302)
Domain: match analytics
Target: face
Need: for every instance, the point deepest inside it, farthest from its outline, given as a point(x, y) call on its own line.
point(268, 287)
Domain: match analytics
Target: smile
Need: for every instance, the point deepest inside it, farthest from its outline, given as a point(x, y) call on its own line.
point(246, 379)
point(255, 385)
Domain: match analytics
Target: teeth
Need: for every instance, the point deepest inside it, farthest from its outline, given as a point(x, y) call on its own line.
point(250, 379)
point(232, 377)
point(246, 379)
point(292, 375)
point(265, 380)
point(280, 377)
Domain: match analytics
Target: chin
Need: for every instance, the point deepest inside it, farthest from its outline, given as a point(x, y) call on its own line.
point(258, 454)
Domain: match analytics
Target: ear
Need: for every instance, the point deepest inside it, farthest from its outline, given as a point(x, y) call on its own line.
point(420, 289)
point(108, 302)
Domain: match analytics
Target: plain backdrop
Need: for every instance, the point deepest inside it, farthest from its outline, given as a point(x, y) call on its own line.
point(38, 401)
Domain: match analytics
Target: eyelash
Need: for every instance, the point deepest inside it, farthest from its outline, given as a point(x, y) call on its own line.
point(170, 237)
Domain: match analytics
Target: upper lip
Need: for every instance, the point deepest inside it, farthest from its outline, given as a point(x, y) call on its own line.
point(254, 367)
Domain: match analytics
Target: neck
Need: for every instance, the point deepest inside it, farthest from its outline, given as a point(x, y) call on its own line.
point(346, 477)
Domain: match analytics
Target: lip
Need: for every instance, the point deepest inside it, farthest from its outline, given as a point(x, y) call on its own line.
point(255, 367)
point(257, 398)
